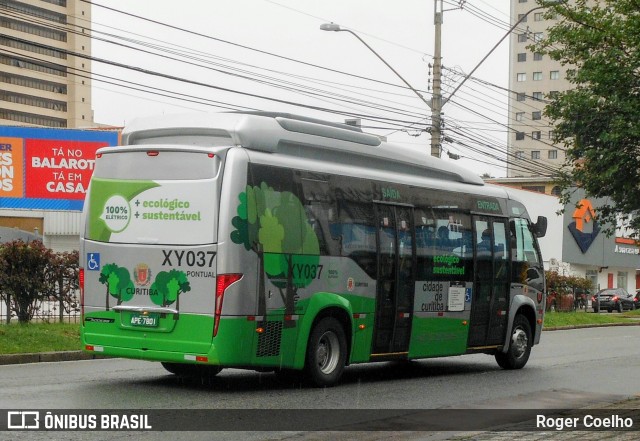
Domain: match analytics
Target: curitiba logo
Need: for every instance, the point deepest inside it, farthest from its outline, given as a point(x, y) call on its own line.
point(164, 291)
point(274, 225)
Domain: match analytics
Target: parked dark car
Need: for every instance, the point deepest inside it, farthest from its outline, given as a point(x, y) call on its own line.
point(613, 299)
point(636, 299)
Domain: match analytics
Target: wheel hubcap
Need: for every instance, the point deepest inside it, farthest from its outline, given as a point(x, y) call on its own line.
point(519, 342)
point(327, 353)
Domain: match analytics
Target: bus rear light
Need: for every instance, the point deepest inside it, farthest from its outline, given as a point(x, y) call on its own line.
point(211, 155)
point(202, 359)
point(153, 153)
point(93, 348)
point(223, 281)
point(99, 155)
point(260, 330)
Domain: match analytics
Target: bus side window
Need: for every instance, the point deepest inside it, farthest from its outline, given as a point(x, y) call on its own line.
point(525, 258)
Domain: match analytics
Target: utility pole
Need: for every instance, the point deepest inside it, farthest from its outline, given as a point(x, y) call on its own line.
point(436, 97)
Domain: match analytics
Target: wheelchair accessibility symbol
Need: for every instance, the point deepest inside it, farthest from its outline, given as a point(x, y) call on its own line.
point(93, 261)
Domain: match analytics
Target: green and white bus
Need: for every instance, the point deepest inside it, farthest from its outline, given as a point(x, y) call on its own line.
point(277, 242)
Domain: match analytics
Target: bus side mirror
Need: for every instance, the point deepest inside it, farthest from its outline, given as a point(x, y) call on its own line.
point(540, 227)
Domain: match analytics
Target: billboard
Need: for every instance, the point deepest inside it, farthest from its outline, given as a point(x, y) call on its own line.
point(48, 169)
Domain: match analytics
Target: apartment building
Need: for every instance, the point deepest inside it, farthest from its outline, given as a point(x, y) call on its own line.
point(533, 78)
point(44, 75)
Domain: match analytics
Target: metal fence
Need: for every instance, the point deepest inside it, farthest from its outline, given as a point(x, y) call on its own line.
point(47, 310)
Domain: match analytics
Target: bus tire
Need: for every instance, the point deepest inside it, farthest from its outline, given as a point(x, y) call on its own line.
point(326, 353)
point(519, 345)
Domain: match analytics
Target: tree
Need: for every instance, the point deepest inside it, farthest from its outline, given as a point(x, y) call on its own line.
point(118, 282)
point(23, 277)
point(62, 281)
point(598, 121)
point(274, 225)
point(168, 286)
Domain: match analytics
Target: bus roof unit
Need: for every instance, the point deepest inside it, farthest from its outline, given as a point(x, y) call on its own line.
point(290, 135)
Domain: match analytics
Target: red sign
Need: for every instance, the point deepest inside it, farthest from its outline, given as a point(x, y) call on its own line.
point(58, 169)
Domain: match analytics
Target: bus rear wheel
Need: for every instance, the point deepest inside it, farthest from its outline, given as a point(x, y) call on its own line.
point(519, 345)
point(326, 353)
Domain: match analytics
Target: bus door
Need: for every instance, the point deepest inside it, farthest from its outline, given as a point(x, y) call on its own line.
point(490, 302)
point(396, 280)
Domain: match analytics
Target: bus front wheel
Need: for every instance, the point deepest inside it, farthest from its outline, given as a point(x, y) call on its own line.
point(326, 352)
point(519, 345)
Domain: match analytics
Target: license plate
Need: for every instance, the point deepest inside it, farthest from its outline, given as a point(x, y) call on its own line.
point(146, 320)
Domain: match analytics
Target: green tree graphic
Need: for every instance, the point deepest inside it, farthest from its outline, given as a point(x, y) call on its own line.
point(274, 224)
point(118, 282)
point(167, 287)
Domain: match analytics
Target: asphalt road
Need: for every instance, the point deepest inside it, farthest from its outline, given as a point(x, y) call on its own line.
point(569, 369)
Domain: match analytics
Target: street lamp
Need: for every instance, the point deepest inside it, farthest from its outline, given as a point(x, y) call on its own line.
point(336, 28)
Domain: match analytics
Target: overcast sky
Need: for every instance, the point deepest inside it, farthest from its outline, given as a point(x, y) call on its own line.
point(223, 55)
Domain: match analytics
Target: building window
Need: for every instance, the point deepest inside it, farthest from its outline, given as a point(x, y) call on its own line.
point(519, 136)
point(522, 1)
point(537, 36)
point(522, 18)
point(553, 154)
point(30, 118)
point(536, 115)
point(33, 83)
point(522, 38)
point(521, 96)
point(622, 280)
point(556, 191)
point(40, 31)
point(537, 96)
point(49, 68)
point(536, 134)
point(519, 154)
point(554, 75)
point(538, 16)
point(56, 2)
point(537, 76)
point(522, 57)
point(34, 101)
point(551, 134)
point(34, 11)
point(519, 116)
point(537, 56)
point(535, 154)
point(4, 41)
point(553, 94)
point(521, 77)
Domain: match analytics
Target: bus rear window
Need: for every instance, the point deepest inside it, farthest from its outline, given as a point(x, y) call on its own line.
point(170, 198)
point(157, 164)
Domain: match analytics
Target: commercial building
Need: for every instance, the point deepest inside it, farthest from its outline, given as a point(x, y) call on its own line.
point(44, 63)
point(44, 175)
point(578, 245)
point(533, 79)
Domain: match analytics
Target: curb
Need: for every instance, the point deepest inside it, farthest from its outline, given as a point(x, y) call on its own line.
point(598, 325)
point(44, 357)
